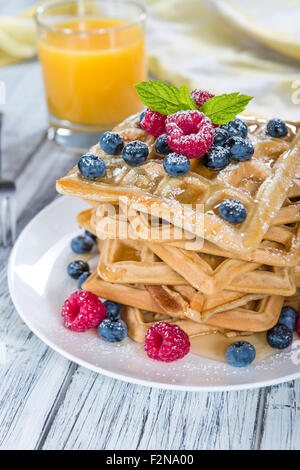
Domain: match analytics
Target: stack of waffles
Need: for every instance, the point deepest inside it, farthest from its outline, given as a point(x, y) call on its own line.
point(166, 254)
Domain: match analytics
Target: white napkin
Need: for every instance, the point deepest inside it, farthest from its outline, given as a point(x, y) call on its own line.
point(199, 43)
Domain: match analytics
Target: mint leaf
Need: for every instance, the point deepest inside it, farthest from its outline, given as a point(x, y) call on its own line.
point(167, 99)
point(164, 98)
point(224, 108)
point(185, 99)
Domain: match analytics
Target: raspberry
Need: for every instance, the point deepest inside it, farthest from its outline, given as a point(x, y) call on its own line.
point(166, 342)
point(189, 133)
point(298, 324)
point(200, 96)
point(153, 123)
point(82, 311)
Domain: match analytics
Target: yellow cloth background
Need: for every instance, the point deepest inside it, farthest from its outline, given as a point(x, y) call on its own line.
point(17, 38)
point(223, 45)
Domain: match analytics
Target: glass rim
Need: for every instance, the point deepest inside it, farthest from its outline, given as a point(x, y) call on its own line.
point(43, 8)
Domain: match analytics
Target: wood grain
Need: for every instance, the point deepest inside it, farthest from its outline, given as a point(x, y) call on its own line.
point(115, 415)
point(281, 419)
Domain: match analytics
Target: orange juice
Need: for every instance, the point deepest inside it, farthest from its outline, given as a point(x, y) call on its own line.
point(89, 76)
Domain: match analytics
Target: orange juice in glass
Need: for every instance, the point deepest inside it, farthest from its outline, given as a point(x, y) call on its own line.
point(92, 53)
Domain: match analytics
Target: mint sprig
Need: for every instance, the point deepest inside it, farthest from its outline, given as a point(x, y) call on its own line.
point(166, 99)
point(224, 108)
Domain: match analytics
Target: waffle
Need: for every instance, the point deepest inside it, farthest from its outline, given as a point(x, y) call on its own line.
point(130, 262)
point(261, 184)
point(175, 301)
point(280, 246)
point(133, 262)
point(211, 274)
point(297, 275)
point(253, 316)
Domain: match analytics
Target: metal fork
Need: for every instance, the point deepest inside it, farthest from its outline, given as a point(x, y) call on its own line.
point(7, 204)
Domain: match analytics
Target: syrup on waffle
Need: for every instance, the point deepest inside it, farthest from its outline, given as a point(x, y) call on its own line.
point(206, 341)
point(261, 184)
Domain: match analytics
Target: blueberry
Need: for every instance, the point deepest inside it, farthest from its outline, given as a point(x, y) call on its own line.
point(216, 158)
point(111, 143)
point(277, 128)
point(82, 278)
point(91, 166)
point(220, 137)
point(161, 145)
point(236, 127)
point(240, 149)
point(112, 309)
point(280, 337)
point(91, 235)
point(288, 317)
point(135, 153)
point(176, 165)
point(142, 115)
point(233, 211)
point(76, 268)
point(82, 244)
point(112, 331)
point(240, 354)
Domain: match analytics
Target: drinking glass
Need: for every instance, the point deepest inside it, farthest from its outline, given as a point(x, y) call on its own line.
point(92, 52)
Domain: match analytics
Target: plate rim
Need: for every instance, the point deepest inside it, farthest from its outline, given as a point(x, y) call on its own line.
point(106, 372)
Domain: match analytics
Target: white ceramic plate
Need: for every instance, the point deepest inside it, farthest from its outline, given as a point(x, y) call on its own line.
point(39, 284)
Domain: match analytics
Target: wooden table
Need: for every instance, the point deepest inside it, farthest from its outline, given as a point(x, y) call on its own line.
point(47, 402)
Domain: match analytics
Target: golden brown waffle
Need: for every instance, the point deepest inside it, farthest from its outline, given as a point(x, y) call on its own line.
point(297, 275)
point(183, 301)
point(253, 317)
point(175, 301)
point(280, 247)
point(132, 262)
point(211, 274)
point(261, 184)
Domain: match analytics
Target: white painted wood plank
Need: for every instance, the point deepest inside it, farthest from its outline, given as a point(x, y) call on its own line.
point(37, 181)
point(30, 379)
point(281, 422)
point(100, 413)
point(25, 115)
